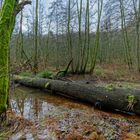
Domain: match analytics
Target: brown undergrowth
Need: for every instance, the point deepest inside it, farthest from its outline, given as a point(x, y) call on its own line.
point(12, 124)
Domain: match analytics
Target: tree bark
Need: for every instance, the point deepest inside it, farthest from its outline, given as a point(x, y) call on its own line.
point(97, 40)
point(111, 98)
point(125, 36)
point(35, 68)
point(7, 22)
point(6, 26)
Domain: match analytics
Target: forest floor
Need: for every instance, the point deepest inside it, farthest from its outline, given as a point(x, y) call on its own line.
point(104, 72)
point(36, 115)
point(110, 73)
point(57, 118)
point(72, 124)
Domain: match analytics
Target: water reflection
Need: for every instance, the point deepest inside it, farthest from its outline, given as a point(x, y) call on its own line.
point(34, 104)
point(45, 110)
point(56, 117)
point(30, 106)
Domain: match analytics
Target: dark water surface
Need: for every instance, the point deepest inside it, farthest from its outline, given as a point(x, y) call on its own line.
point(56, 118)
point(34, 104)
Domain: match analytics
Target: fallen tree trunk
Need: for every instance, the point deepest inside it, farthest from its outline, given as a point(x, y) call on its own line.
point(116, 98)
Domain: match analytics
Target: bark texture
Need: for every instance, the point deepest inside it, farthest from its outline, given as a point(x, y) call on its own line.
point(7, 22)
point(112, 98)
point(6, 27)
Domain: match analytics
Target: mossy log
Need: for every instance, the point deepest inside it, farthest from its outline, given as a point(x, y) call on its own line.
point(127, 100)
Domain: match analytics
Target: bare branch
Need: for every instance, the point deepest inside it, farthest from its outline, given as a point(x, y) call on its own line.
point(21, 5)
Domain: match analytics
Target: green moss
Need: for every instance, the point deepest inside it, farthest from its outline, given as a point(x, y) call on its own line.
point(28, 74)
point(123, 85)
point(99, 72)
point(7, 22)
point(131, 102)
point(45, 74)
point(131, 99)
point(110, 87)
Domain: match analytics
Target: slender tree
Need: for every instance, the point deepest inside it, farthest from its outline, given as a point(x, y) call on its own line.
point(80, 44)
point(136, 5)
point(21, 35)
point(86, 48)
point(69, 37)
point(97, 40)
point(36, 40)
point(125, 35)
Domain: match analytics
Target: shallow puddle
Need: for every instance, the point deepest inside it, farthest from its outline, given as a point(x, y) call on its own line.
point(57, 118)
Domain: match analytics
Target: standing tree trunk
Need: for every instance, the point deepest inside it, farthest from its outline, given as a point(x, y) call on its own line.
point(125, 36)
point(57, 38)
point(137, 23)
point(79, 55)
point(7, 21)
point(138, 36)
point(87, 39)
point(69, 37)
point(97, 41)
point(47, 45)
point(36, 40)
point(21, 37)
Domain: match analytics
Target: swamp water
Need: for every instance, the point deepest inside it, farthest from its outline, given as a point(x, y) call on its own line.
point(56, 118)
